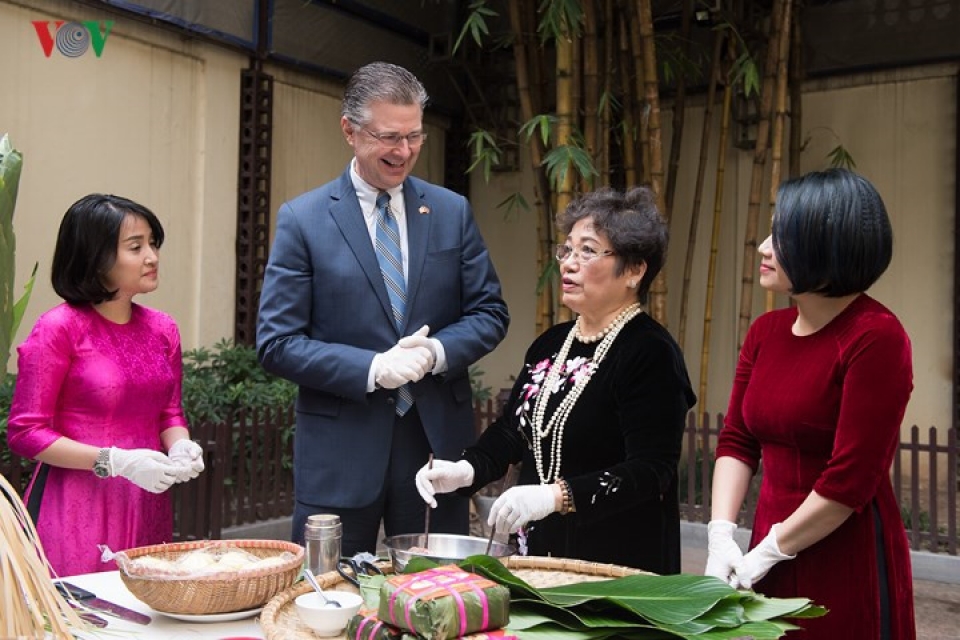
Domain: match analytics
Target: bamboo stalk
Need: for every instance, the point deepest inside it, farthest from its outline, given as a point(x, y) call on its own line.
point(679, 111)
point(603, 141)
point(715, 240)
point(591, 88)
point(629, 126)
point(780, 116)
point(565, 127)
point(658, 290)
point(755, 203)
point(526, 65)
point(718, 42)
point(796, 91)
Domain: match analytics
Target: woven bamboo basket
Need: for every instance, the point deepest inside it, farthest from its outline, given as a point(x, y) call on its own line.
point(280, 621)
point(220, 592)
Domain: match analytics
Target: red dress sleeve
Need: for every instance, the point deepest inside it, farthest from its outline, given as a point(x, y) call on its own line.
point(735, 440)
point(877, 382)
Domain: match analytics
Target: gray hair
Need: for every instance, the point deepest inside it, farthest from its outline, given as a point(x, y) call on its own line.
point(631, 222)
point(383, 82)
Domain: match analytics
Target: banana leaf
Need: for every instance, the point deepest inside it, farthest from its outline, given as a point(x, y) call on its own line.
point(760, 607)
point(11, 162)
point(663, 599)
point(639, 607)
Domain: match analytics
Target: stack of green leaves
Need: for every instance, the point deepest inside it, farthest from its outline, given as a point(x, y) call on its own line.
point(639, 607)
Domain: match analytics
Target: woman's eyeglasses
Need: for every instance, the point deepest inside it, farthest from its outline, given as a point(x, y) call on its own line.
point(583, 255)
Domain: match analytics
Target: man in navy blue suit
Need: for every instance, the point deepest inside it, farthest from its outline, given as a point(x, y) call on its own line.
point(378, 295)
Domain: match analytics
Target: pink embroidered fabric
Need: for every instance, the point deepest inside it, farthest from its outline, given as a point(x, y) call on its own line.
point(86, 378)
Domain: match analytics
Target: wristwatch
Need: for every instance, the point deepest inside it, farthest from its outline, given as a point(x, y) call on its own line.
point(101, 468)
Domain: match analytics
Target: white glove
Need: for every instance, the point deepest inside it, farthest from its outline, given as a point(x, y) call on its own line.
point(723, 553)
point(444, 477)
point(759, 561)
point(188, 456)
point(520, 505)
point(146, 468)
point(420, 339)
point(400, 365)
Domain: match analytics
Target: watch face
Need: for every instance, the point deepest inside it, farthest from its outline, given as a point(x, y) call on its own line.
point(101, 467)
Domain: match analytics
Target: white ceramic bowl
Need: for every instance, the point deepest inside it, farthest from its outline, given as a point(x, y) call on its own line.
point(326, 621)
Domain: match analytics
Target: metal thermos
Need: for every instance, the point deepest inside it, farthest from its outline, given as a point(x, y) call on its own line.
point(321, 536)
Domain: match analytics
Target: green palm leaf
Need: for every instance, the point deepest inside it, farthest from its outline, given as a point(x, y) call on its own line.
point(638, 607)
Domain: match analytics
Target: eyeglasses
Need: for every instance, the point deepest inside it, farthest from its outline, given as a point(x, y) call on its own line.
point(583, 255)
point(394, 140)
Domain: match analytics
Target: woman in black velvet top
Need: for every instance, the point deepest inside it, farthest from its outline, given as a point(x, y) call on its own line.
point(597, 413)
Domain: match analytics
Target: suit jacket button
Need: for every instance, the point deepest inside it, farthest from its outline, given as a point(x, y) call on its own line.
point(391, 400)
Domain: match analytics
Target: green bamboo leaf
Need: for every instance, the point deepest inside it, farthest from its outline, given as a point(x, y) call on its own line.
point(840, 157)
point(514, 204)
point(560, 159)
point(476, 23)
point(485, 150)
point(751, 78)
point(542, 123)
point(550, 271)
point(559, 19)
point(608, 103)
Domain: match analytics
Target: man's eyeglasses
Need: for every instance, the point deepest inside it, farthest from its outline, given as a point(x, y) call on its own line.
point(583, 255)
point(392, 140)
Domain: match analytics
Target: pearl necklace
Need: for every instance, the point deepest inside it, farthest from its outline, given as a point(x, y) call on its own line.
point(603, 332)
point(554, 427)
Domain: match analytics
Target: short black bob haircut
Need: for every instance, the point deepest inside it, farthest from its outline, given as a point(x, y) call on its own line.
point(87, 246)
point(631, 222)
point(831, 233)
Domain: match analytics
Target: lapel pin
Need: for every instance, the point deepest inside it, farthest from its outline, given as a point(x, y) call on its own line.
point(424, 209)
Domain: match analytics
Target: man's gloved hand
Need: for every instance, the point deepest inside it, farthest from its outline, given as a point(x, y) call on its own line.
point(399, 365)
point(420, 340)
point(444, 477)
point(146, 468)
point(188, 456)
point(520, 505)
point(723, 552)
point(759, 561)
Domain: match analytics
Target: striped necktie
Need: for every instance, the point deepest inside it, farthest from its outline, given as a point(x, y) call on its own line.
point(391, 267)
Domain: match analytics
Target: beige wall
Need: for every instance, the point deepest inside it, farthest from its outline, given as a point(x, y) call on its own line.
point(900, 128)
point(153, 119)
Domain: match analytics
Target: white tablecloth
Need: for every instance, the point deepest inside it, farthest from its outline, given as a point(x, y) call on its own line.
point(110, 587)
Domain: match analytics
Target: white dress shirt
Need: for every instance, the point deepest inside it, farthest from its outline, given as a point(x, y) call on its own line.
point(367, 195)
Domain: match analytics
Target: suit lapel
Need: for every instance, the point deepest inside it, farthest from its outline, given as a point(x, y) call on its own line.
point(346, 213)
point(418, 232)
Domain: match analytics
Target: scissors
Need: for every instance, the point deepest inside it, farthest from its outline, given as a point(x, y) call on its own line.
point(350, 569)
